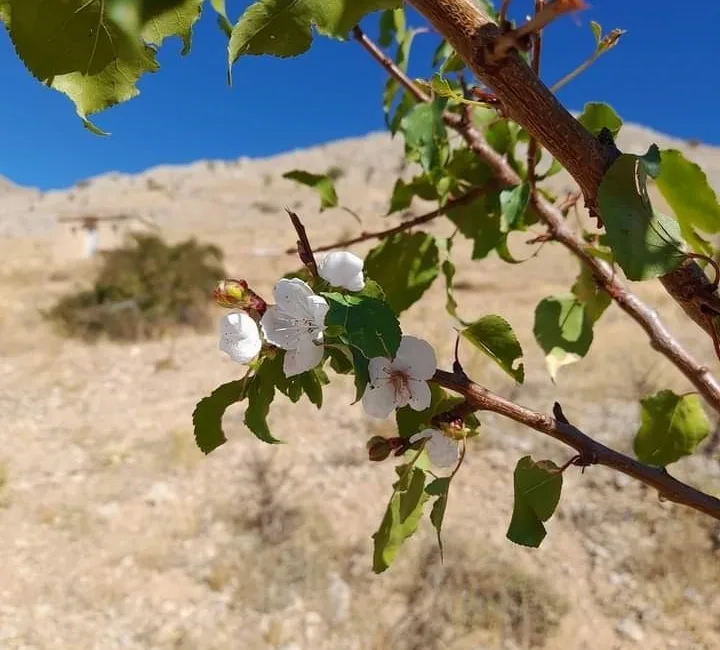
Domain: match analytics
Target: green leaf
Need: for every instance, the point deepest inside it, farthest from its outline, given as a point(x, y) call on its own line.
point(209, 411)
point(321, 183)
point(448, 271)
point(685, 187)
point(563, 331)
point(223, 20)
point(284, 27)
point(513, 204)
point(392, 26)
point(589, 293)
point(646, 244)
point(370, 325)
point(425, 134)
point(401, 518)
point(94, 51)
point(672, 426)
point(479, 221)
point(405, 265)
point(537, 489)
point(494, 336)
point(596, 116)
point(260, 394)
point(440, 488)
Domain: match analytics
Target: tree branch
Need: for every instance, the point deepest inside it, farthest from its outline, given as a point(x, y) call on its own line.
point(527, 101)
point(591, 451)
point(406, 225)
point(660, 337)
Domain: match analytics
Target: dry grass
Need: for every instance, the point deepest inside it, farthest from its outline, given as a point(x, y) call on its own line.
point(113, 509)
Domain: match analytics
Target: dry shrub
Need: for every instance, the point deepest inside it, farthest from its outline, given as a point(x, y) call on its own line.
point(475, 597)
point(143, 290)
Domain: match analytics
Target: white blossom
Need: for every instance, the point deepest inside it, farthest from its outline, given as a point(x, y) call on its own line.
point(342, 269)
point(239, 337)
point(295, 323)
point(402, 381)
point(442, 450)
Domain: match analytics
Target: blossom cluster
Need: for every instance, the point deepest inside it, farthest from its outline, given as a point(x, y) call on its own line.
point(296, 324)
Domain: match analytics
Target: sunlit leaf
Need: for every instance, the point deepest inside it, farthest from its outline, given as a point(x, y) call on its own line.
point(563, 330)
point(494, 336)
point(401, 518)
point(425, 134)
point(685, 187)
point(672, 426)
point(596, 116)
point(321, 183)
point(209, 411)
point(284, 27)
point(645, 243)
point(405, 265)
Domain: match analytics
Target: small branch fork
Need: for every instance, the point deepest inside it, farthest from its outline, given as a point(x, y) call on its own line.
point(558, 230)
point(526, 100)
point(590, 451)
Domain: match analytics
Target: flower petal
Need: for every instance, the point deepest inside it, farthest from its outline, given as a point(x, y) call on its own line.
point(317, 308)
point(291, 296)
point(342, 269)
point(416, 358)
point(419, 395)
point(239, 337)
point(421, 435)
point(379, 399)
point(305, 357)
point(441, 450)
point(379, 370)
point(279, 329)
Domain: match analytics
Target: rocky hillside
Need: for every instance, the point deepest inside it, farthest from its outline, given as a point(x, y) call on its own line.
point(118, 534)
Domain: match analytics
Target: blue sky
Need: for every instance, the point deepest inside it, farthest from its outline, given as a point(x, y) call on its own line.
point(664, 74)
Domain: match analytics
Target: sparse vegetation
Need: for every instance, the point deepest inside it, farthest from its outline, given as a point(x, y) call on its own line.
point(475, 593)
point(143, 290)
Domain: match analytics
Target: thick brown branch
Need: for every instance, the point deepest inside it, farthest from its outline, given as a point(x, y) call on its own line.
point(530, 103)
point(660, 337)
point(591, 451)
point(406, 225)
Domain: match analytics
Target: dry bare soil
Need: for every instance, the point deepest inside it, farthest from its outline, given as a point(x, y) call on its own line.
point(117, 533)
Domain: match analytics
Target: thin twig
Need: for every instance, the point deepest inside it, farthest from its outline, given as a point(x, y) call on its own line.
point(660, 337)
point(591, 451)
point(515, 38)
point(469, 197)
point(606, 45)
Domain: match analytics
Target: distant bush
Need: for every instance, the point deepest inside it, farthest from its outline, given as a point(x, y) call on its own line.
point(143, 290)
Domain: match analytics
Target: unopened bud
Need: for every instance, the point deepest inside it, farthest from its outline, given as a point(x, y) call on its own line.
point(236, 294)
point(379, 448)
